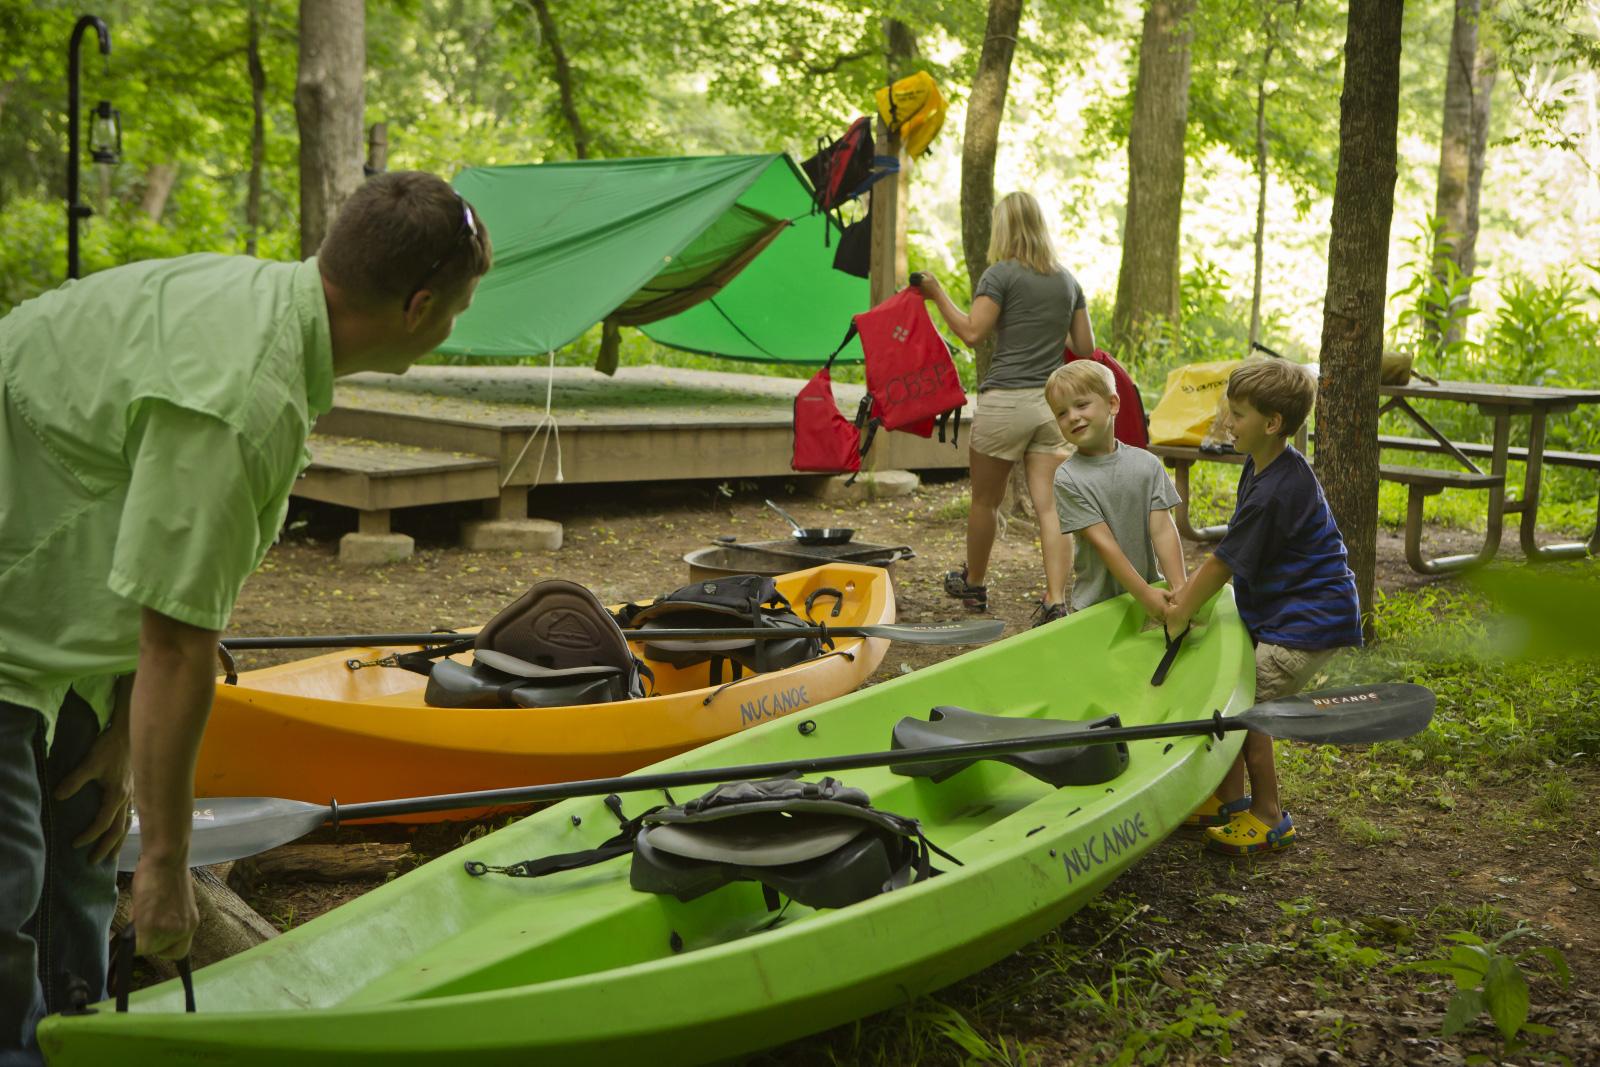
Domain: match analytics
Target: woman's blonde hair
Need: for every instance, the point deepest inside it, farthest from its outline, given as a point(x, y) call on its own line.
point(1017, 232)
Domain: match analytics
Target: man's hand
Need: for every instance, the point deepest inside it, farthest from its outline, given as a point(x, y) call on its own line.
point(109, 762)
point(164, 913)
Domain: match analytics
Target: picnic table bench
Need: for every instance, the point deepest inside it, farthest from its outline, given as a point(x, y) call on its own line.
point(1500, 403)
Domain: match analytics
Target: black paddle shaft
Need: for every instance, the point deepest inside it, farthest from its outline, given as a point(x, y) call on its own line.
point(974, 631)
point(1358, 715)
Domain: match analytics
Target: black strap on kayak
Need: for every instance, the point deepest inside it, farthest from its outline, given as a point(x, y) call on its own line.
point(123, 949)
point(1173, 644)
point(619, 844)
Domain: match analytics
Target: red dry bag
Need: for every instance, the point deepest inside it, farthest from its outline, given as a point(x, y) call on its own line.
point(911, 379)
point(824, 440)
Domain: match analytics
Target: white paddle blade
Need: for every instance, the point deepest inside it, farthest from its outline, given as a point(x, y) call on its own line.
point(230, 828)
point(1350, 715)
point(965, 632)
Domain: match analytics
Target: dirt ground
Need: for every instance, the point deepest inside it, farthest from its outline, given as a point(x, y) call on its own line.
point(630, 545)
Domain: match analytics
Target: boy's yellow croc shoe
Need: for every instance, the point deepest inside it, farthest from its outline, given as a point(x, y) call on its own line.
point(1245, 833)
point(1215, 812)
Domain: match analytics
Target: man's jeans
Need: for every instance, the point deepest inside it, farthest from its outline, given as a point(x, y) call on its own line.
point(55, 907)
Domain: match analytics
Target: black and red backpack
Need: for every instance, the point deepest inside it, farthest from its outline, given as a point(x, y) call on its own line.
point(844, 169)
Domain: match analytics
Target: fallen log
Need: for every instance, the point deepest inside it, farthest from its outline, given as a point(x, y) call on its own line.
point(359, 861)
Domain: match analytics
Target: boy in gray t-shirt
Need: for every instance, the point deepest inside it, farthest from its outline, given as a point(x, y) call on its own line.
point(1117, 499)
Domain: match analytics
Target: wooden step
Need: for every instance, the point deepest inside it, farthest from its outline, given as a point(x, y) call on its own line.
point(377, 475)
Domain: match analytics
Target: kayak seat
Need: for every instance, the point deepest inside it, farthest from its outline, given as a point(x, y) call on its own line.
point(820, 843)
point(556, 646)
point(1069, 765)
point(835, 861)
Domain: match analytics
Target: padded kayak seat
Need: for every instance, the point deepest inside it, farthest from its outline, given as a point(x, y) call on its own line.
point(1069, 765)
point(819, 843)
point(556, 646)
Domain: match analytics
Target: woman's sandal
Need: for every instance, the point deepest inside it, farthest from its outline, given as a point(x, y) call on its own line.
point(1215, 812)
point(974, 597)
point(1245, 834)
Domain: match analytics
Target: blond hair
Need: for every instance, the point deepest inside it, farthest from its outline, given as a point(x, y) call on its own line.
point(1275, 387)
point(1017, 231)
point(1083, 377)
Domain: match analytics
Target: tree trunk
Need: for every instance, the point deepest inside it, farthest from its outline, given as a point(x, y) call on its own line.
point(159, 179)
point(1261, 188)
point(328, 102)
point(563, 74)
point(1147, 284)
point(1358, 262)
point(258, 130)
point(901, 52)
point(986, 105)
point(1469, 81)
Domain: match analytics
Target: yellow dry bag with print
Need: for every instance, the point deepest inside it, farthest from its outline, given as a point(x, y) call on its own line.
point(1189, 403)
point(915, 108)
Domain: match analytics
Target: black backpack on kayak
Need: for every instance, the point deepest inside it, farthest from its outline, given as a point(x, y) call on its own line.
point(820, 843)
point(741, 600)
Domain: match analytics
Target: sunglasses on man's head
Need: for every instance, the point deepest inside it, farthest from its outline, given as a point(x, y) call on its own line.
point(468, 230)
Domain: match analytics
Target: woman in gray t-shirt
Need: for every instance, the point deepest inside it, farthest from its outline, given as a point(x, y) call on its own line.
point(1035, 309)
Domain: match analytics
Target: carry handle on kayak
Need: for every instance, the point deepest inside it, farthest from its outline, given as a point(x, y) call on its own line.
point(124, 947)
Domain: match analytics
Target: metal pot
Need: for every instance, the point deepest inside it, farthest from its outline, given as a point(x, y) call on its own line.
point(815, 535)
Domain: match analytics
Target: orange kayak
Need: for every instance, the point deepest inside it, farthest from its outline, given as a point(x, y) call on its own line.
point(316, 730)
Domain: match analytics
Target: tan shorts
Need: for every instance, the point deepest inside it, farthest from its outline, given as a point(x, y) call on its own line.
point(1281, 671)
point(1011, 422)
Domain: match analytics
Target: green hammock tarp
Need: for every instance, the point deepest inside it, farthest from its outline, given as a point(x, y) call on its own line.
point(717, 254)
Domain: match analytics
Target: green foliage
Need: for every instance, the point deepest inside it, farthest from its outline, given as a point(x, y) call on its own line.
point(1290, 53)
point(1433, 300)
point(1212, 327)
point(1489, 980)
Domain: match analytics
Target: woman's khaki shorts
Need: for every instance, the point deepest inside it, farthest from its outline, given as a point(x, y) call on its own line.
point(1010, 422)
point(1281, 671)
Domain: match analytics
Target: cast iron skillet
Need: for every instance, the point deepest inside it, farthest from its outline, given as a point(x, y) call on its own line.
point(815, 535)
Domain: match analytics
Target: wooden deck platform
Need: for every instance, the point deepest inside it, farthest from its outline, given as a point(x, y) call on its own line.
point(450, 434)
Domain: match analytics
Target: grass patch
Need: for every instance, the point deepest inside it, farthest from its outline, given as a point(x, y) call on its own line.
point(955, 510)
point(1360, 830)
point(1556, 797)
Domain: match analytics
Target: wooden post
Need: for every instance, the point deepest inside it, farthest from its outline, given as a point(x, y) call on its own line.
point(888, 269)
point(377, 148)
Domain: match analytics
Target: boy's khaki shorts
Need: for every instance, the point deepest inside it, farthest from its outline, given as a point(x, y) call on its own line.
point(1281, 672)
point(1010, 422)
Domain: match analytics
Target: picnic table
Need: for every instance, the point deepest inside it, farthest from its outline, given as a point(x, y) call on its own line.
point(1500, 404)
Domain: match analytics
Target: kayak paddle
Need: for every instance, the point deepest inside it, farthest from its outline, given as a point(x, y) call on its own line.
point(229, 828)
point(963, 632)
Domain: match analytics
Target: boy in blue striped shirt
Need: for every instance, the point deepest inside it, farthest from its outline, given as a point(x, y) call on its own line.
point(1294, 589)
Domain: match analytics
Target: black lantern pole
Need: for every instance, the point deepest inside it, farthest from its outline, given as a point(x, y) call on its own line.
point(75, 210)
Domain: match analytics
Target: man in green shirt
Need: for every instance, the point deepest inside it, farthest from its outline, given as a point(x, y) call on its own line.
point(153, 420)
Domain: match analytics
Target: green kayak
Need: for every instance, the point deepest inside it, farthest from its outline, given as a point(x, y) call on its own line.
point(579, 967)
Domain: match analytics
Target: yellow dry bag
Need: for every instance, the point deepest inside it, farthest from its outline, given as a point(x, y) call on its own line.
point(1189, 403)
point(915, 108)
